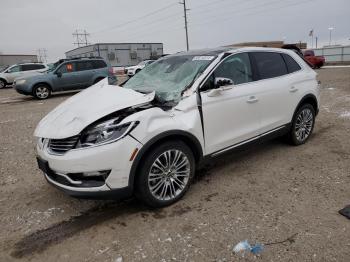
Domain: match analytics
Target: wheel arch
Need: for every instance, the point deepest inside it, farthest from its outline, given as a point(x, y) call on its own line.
point(42, 83)
point(3, 79)
point(189, 139)
point(308, 99)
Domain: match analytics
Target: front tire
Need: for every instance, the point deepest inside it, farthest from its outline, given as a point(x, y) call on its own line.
point(302, 125)
point(41, 92)
point(2, 83)
point(165, 174)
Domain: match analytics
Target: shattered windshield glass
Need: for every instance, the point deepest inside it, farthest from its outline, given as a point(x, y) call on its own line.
point(169, 76)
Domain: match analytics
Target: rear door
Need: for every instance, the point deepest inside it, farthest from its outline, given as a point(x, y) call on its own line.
point(86, 73)
point(277, 90)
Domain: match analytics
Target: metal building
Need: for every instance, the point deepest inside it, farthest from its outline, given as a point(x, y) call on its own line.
point(334, 54)
point(119, 54)
point(16, 59)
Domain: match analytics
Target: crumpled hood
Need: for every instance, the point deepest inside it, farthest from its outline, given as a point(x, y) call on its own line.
point(72, 116)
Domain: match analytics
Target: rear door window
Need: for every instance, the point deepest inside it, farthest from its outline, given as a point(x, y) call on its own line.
point(84, 65)
point(99, 64)
point(29, 67)
point(269, 64)
point(292, 65)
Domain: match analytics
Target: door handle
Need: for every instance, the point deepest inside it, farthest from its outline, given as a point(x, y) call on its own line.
point(252, 99)
point(293, 89)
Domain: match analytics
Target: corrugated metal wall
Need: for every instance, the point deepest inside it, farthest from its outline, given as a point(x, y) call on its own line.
point(120, 54)
point(16, 59)
point(334, 54)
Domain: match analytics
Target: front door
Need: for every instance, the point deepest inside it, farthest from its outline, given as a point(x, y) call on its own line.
point(232, 115)
point(66, 77)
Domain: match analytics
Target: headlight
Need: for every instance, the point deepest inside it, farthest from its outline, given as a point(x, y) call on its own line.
point(106, 132)
point(20, 82)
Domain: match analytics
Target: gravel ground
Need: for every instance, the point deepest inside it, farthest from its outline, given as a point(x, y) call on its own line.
point(271, 193)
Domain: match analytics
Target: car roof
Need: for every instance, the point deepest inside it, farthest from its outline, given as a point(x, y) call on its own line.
point(221, 50)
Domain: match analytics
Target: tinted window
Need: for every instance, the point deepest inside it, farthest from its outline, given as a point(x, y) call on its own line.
point(99, 64)
point(66, 68)
point(29, 67)
point(82, 66)
point(291, 64)
point(269, 64)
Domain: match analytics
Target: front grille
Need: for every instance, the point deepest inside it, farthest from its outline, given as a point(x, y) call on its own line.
point(61, 146)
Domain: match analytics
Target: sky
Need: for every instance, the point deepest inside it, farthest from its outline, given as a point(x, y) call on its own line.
point(29, 25)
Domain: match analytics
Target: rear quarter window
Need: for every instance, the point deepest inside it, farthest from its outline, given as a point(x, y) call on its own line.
point(292, 65)
point(269, 64)
point(99, 64)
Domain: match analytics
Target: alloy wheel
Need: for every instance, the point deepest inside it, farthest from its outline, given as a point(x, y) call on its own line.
point(2, 84)
point(303, 125)
point(42, 92)
point(169, 175)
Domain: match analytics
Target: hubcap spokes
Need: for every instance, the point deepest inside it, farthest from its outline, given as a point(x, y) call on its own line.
point(169, 175)
point(42, 92)
point(303, 125)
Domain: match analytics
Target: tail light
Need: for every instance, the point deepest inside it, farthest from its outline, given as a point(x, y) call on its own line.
point(110, 70)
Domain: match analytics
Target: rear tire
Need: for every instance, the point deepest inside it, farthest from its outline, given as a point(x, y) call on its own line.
point(41, 91)
point(165, 174)
point(302, 125)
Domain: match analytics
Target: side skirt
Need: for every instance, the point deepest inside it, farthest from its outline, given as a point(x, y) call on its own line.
point(250, 143)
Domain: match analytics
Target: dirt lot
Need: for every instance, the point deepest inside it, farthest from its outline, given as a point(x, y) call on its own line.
point(265, 195)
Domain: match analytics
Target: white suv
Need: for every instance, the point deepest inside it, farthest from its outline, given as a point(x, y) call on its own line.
point(8, 75)
point(148, 137)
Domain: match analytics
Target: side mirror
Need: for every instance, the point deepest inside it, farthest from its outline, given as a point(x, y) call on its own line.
point(59, 74)
point(222, 81)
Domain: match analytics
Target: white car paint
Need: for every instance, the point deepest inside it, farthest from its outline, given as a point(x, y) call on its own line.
point(231, 115)
point(10, 77)
point(77, 112)
point(132, 70)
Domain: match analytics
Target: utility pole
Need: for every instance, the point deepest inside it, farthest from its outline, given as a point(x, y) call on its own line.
point(80, 38)
point(185, 16)
point(316, 38)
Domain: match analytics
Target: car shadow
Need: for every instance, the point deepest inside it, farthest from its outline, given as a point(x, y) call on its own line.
point(104, 211)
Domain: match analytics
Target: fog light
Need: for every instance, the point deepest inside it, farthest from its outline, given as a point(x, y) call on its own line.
point(104, 174)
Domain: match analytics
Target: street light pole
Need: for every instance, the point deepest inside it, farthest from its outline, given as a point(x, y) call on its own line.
point(330, 34)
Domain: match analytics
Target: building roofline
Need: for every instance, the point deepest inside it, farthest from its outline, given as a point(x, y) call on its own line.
point(153, 43)
point(15, 55)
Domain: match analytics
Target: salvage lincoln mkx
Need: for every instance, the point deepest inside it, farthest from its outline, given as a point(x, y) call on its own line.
point(147, 137)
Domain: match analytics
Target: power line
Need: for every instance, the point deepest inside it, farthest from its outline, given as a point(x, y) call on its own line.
point(136, 19)
point(185, 16)
point(250, 8)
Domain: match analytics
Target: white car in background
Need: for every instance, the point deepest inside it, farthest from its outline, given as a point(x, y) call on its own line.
point(8, 75)
point(148, 137)
point(132, 70)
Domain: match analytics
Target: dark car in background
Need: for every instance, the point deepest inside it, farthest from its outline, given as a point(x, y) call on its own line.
point(65, 75)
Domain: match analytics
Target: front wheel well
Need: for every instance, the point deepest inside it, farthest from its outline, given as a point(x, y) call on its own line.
point(2, 79)
point(42, 83)
point(188, 139)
